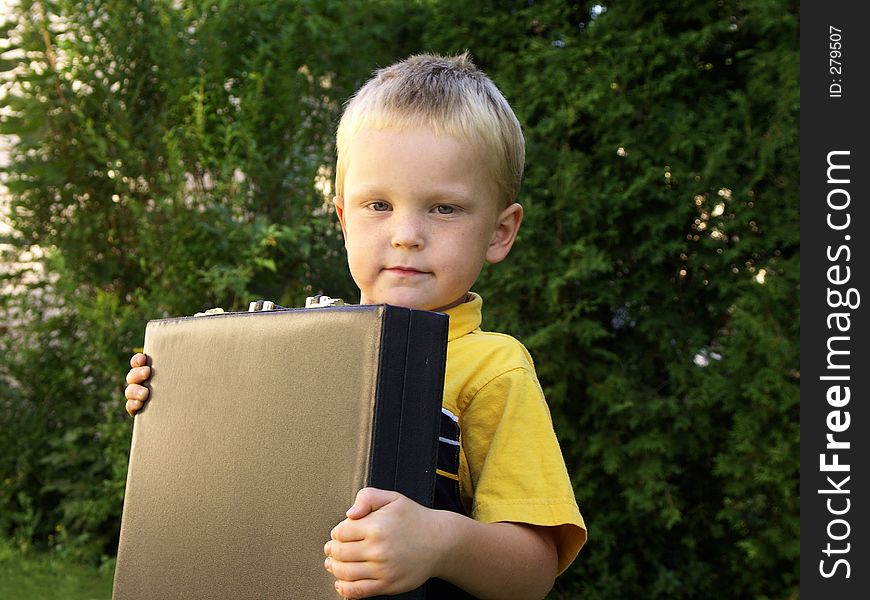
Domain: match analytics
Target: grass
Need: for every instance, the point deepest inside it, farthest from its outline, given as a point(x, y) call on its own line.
point(46, 577)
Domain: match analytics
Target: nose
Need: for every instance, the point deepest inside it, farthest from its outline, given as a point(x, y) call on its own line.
point(408, 232)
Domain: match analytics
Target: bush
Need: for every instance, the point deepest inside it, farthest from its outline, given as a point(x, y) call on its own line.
point(166, 162)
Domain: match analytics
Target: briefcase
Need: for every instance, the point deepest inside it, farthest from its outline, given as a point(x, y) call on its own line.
point(259, 431)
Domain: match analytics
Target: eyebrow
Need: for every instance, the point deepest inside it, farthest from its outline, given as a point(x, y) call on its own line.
point(368, 190)
point(446, 193)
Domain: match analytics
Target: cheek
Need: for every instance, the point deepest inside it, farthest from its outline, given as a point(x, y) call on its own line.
point(482, 236)
point(359, 253)
point(358, 271)
point(352, 237)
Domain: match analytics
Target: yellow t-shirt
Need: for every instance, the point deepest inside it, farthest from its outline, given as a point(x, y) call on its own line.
point(510, 465)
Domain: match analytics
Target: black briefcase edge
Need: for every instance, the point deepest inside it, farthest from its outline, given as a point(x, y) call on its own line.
point(405, 434)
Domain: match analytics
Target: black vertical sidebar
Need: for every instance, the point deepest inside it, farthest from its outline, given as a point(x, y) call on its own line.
point(835, 300)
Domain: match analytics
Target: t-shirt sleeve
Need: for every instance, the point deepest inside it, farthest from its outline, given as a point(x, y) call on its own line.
point(513, 460)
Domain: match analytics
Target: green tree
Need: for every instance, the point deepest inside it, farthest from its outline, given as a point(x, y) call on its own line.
point(166, 161)
point(656, 277)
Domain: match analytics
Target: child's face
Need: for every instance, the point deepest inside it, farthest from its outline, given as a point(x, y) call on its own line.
point(420, 216)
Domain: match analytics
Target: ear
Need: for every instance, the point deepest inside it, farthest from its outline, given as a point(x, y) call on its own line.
point(338, 202)
point(506, 229)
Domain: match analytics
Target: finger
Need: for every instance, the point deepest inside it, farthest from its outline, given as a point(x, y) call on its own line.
point(346, 551)
point(348, 531)
point(369, 500)
point(349, 571)
point(136, 392)
point(133, 406)
point(138, 360)
point(363, 588)
point(138, 374)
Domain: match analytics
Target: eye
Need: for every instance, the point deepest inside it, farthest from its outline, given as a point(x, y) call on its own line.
point(379, 206)
point(444, 209)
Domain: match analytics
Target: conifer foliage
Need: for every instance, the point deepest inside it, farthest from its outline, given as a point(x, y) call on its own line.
point(173, 156)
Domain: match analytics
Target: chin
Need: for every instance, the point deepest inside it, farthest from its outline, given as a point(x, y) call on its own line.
point(407, 300)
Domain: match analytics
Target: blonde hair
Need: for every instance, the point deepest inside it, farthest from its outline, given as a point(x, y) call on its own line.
point(449, 95)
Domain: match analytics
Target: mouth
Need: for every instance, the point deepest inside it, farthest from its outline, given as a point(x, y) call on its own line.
point(403, 271)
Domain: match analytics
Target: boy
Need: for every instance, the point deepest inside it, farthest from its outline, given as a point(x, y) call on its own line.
point(430, 158)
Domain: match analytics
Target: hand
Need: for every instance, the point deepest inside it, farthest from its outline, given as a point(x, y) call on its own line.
point(387, 545)
point(136, 394)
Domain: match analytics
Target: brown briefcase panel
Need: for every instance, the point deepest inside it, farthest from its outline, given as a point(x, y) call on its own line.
point(260, 429)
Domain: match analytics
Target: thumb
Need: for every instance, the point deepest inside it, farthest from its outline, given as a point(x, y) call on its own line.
point(370, 499)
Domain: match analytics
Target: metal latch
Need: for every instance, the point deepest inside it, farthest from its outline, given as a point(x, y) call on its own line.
point(211, 311)
point(263, 305)
point(321, 301)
